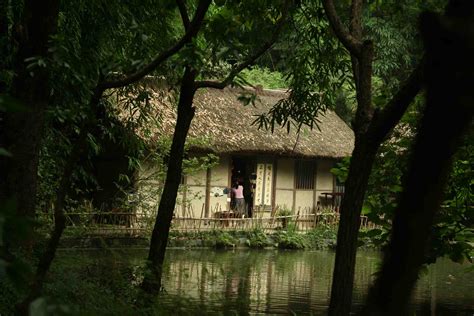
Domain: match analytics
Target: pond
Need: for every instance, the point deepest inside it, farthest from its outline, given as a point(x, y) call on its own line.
point(250, 282)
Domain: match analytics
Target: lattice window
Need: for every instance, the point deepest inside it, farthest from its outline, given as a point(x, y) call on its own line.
point(304, 173)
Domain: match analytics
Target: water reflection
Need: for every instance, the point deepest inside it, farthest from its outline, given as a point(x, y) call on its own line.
point(285, 282)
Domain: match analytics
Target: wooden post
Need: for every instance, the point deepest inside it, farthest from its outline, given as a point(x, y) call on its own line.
point(315, 187)
point(297, 218)
point(229, 181)
point(200, 218)
point(208, 191)
point(274, 175)
point(293, 205)
point(183, 200)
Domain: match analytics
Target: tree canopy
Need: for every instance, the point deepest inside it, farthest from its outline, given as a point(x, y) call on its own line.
point(70, 68)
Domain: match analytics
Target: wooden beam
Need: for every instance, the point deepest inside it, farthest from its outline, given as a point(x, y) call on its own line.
point(208, 193)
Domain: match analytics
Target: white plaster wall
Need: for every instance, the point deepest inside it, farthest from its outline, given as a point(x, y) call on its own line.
point(262, 213)
point(285, 174)
point(197, 178)
point(303, 200)
point(324, 177)
point(217, 203)
point(284, 199)
point(220, 172)
point(195, 197)
point(219, 179)
point(178, 209)
point(148, 188)
point(196, 190)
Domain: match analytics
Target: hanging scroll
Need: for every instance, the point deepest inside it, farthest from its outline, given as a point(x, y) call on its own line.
point(263, 186)
point(268, 184)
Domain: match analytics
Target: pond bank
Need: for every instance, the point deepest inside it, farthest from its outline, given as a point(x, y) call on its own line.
point(319, 238)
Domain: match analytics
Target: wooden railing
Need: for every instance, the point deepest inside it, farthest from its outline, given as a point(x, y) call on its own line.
point(137, 224)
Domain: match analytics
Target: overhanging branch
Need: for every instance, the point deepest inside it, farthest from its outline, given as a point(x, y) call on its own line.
point(356, 31)
point(191, 32)
point(352, 44)
point(391, 114)
point(251, 59)
point(356, 19)
point(184, 14)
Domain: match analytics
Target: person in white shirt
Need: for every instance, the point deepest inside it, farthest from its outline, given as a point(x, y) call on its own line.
point(238, 191)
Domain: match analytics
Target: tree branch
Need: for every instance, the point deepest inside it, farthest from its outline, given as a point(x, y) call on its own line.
point(365, 109)
point(251, 59)
point(184, 14)
point(4, 19)
point(356, 31)
point(190, 33)
point(356, 19)
point(352, 44)
point(390, 115)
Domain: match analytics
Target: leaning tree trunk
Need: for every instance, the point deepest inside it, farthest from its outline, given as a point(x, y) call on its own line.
point(3, 21)
point(447, 117)
point(360, 168)
point(48, 255)
point(371, 126)
point(79, 150)
point(21, 132)
point(159, 238)
point(4, 41)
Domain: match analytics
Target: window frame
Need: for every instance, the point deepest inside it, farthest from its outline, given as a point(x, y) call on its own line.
point(304, 180)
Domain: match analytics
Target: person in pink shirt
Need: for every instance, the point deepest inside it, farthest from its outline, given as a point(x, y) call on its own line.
point(238, 192)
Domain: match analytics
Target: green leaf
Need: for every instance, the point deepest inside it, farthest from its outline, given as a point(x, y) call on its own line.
point(4, 152)
point(10, 104)
point(396, 188)
point(366, 209)
point(39, 307)
point(374, 232)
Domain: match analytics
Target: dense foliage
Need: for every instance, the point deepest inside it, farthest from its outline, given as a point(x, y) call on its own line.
point(93, 42)
point(264, 77)
point(453, 231)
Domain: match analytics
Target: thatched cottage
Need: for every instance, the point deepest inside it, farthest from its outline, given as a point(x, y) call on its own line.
point(278, 170)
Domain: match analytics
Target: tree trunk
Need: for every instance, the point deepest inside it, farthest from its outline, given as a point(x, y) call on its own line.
point(4, 18)
point(4, 41)
point(59, 225)
point(447, 117)
point(360, 168)
point(371, 128)
point(22, 130)
point(79, 149)
point(159, 238)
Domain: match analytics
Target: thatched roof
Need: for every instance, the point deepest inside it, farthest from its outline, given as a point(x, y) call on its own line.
point(226, 123)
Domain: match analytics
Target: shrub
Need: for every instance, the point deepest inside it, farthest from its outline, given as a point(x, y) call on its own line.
point(372, 238)
point(224, 240)
point(291, 239)
point(281, 217)
point(322, 237)
point(258, 239)
point(263, 76)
